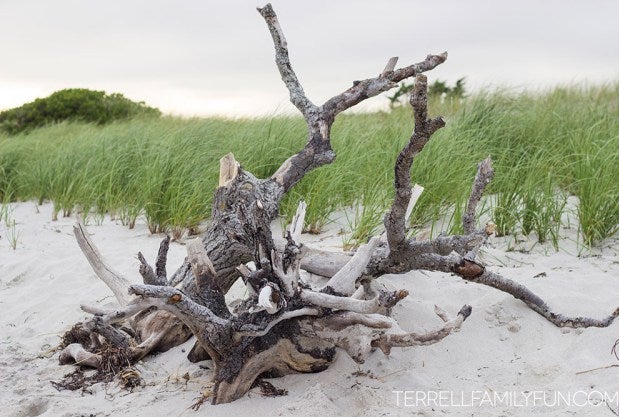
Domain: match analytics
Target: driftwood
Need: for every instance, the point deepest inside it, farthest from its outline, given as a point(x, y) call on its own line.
point(285, 325)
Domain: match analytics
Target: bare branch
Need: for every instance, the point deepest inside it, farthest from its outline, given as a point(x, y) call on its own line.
point(386, 341)
point(343, 282)
point(538, 305)
point(174, 301)
point(317, 151)
point(322, 299)
point(455, 263)
point(482, 179)
point(297, 95)
point(361, 90)
point(395, 221)
point(114, 280)
point(115, 315)
point(146, 271)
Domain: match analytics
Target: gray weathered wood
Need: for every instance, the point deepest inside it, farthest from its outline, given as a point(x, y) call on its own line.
point(284, 325)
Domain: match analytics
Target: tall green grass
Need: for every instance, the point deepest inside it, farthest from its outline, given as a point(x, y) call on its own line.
point(545, 146)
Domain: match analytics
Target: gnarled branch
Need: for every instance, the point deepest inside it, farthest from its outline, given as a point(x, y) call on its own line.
point(395, 221)
point(389, 340)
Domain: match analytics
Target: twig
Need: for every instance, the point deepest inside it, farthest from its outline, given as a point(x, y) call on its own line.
point(597, 369)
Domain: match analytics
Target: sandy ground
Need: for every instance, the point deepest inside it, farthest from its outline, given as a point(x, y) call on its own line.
point(503, 349)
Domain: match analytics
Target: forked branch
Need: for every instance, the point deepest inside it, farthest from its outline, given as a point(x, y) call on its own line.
point(395, 221)
point(387, 341)
point(319, 119)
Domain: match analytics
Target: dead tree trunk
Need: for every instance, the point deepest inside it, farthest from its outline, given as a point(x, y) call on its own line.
point(285, 325)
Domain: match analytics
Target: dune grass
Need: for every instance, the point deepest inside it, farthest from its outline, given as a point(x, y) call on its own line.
point(545, 146)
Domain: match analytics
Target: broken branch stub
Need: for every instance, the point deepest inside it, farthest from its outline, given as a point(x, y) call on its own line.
point(484, 175)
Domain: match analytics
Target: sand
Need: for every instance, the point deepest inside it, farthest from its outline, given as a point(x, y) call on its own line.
point(503, 350)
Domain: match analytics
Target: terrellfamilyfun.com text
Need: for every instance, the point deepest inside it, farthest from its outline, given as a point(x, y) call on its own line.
point(484, 398)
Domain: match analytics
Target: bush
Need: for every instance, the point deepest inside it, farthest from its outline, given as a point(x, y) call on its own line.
point(75, 104)
point(438, 89)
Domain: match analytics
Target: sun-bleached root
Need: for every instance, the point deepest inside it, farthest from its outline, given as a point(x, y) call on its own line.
point(321, 299)
point(404, 339)
point(344, 281)
point(136, 328)
point(114, 280)
point(76, 354)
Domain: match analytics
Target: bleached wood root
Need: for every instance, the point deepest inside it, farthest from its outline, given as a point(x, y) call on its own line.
point(335, 302)
point(344, 281)
point(159, 331)
point(114, 280)
point(323, 263)
point(403, 339)
point(340, 303)
point(298, 221)
point(352, 332)
point(76, 354)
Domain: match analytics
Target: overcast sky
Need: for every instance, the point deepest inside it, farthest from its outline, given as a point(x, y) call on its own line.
point(200, 57)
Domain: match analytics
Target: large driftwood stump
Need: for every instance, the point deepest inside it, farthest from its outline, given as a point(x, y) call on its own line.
point(285, 325)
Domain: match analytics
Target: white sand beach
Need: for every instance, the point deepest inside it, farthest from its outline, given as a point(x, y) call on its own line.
point(503, 348)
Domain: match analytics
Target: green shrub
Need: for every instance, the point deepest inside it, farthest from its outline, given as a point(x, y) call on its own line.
point(75, 104)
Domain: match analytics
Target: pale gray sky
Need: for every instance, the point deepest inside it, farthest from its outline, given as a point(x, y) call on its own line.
point(199, 57)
